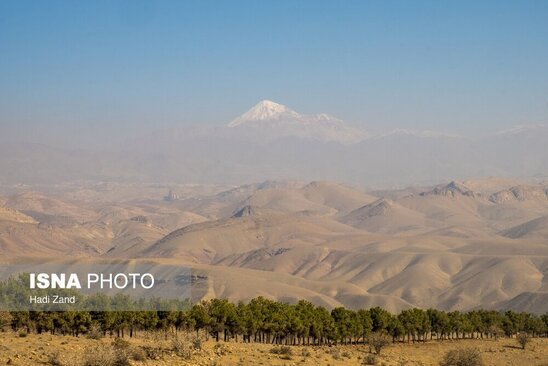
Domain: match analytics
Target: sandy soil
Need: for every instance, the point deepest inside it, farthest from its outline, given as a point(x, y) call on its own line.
point(38, 350)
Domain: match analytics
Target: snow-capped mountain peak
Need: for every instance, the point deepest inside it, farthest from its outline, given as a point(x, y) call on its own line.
point(263, 111)
point(266, 109)
point(277, 120)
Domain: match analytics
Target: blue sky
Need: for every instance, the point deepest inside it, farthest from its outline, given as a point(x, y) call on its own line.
point(454, 66)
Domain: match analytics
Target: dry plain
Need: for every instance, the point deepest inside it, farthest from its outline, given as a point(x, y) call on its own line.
point(38, 350)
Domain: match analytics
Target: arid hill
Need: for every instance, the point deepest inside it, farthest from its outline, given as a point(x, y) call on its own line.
point(459, 245)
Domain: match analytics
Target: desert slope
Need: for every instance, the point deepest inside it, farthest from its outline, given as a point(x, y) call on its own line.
point(457, 245)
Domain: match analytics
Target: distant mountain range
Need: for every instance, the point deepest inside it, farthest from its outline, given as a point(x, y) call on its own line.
point(272, 141)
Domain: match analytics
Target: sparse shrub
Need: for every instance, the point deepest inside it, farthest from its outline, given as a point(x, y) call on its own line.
point(138, 354)
point(153, 347)
point(182, 346)
point(155, 336)
point(462, 357)
point(220, 349)
point(121, 357)
point(152, 352)
point(197, 343)
point(346, 354)
point(95, 332)
point(523, 339)
point(100, 355)
point(119, 343)
point(5, 319)
point(305, 352)
point(369, 359)
point(336, 354)
point(55, 359)
point(379, 340)
point(285, 352)
point(121, 349)
point(105, 355)
point(22, 333)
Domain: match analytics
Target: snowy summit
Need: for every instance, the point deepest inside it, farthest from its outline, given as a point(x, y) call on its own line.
point(279, 120)
point(265, 110)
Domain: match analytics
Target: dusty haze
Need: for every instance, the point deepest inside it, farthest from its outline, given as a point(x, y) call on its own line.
point(270, 141)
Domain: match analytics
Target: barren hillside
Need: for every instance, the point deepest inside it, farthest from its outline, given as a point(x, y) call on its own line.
point(458, 245)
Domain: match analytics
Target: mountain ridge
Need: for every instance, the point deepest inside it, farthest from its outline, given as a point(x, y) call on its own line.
point(280, 120)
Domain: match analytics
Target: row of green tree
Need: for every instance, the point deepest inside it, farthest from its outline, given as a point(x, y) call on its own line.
point(15, 295)
point(268, 321)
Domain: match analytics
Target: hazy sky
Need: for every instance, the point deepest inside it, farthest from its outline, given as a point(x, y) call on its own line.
point(455, 66)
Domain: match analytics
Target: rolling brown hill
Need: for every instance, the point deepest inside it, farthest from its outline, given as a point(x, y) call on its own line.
point(387, 216)
point(460, 245)
point(534, 229)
